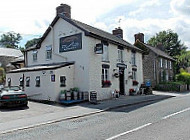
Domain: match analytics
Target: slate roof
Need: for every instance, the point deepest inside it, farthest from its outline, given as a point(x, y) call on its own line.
point(10, 52)
point(157, 51)
point(89, 31)
point(43, 67)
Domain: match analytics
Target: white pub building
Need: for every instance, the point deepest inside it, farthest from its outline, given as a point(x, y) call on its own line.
point(73, 54)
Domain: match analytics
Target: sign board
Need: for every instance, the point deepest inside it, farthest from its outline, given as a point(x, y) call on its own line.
point(93, 97)
point(98, 48)
point(70, 43)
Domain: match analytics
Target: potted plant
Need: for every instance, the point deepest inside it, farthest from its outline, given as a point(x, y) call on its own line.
point(75, 91)
point(62, 95)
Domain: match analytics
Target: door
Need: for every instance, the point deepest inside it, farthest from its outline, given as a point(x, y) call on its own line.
point(121, 81)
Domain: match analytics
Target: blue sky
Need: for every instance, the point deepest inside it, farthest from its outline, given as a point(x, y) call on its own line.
point(31, 18)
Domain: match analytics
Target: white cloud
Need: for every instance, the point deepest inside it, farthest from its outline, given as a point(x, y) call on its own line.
point(181, 7)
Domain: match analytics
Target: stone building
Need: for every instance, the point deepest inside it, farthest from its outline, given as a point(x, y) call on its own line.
point(73, 54)
point(157, 65)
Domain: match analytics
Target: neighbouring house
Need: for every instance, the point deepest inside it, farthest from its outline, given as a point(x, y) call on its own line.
point(74, 54)
point(157, 65)
point(8, 55)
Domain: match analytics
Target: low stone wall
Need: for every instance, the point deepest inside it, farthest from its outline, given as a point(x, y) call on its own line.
point(170, 87)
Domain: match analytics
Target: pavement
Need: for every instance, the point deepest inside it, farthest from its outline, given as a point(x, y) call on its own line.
point(63, 113)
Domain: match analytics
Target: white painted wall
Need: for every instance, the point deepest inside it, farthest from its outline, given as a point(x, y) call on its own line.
point(61, 29)
point(48, 90)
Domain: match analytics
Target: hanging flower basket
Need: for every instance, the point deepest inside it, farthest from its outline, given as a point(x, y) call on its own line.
point(135, 83)
point(106, 83)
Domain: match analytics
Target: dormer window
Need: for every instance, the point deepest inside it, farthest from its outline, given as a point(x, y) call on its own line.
point(49, 52)
point(35, 55)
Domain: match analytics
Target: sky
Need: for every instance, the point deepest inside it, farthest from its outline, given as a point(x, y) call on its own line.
point(31, 18)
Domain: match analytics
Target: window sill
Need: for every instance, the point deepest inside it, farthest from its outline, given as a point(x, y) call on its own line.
point(106, 86)
point(48, 59)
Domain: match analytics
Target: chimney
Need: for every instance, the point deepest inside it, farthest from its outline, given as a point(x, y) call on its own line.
point(64, 9)
point(160, 46)
point(118, 32)
point(140, 37)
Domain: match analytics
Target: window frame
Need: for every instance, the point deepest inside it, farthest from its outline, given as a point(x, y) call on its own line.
point(105, 54)
point(62, 81)
point(120, 55)
point(21, 80)
point(27, 81)
point(35, 55)
point(133, 58)
point(37, 81)
point(161, 63)
point(49, 52)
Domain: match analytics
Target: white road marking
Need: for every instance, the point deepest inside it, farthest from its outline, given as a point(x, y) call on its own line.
point(130, 131)
point(168, 116)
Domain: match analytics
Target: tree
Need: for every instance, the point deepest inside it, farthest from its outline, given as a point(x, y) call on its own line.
point(183, 60)
point(170, 41)
point(10, 40)
point(32, 42)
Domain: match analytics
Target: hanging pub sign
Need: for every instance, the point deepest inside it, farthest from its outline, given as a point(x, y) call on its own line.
point(70, 43)
point(98, 48)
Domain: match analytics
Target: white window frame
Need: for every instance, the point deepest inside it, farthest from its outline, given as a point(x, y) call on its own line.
point(105, 74)
point(134, 74)
point(27, 81)
point(105, 55)
point(35, 55)
point(133, 58)
point(37, 81)
point(120, 55)
point(49, 52)
point(170, 64)
point(161, 62)
point(166, 63)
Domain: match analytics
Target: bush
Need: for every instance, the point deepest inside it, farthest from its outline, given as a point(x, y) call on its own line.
point(169, 86)
point(184, 77)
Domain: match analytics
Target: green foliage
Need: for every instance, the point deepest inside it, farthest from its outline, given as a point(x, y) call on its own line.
point(169, 86)
point(170, 41)
point(2, 75)
point(184, 76)
point(32, 42)
point(10, 40)
point(183, 60)
point(75, 89)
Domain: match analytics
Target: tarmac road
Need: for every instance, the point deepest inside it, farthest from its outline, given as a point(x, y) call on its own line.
point(166, 119)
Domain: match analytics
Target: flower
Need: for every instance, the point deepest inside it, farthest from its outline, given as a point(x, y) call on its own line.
point(106, 83)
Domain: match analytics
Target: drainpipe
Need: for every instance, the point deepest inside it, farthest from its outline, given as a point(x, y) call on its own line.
point(54, 43)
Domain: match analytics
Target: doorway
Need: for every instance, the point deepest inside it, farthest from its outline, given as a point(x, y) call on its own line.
point(121, 81)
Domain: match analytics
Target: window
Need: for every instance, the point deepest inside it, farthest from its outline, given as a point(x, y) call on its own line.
point(161, 63)
point(9, 82)
point(62, 81)
point(167, 76)
point(53, 78)
point(105, 55)
point(27, 81)
point(166, 63)
point(21, 81)
point(170, 63)
point(35, 55)
point(133, 59)
point(120, 55)
point(38, 81)
point(105, 76)
point(49, 52)
point(134, 74)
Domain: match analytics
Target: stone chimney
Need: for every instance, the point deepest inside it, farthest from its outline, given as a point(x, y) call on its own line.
point(64, 9)
point(118, 32)
point(160, 46)
point(140, 37)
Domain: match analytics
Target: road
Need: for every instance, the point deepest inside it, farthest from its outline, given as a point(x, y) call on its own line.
point(166, 119)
